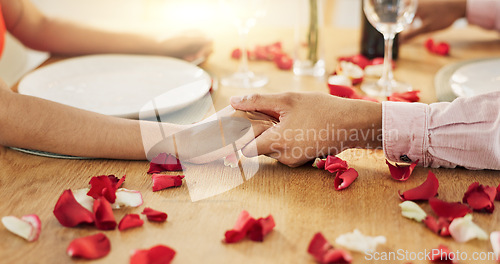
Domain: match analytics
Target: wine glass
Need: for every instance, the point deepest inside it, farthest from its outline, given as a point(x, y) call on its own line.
point(244, 13)
point(388, 17)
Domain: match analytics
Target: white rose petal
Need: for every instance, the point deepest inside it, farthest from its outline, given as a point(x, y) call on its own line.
point(356, 241)
point(463, 229)
point(495, 243)
point(411, 210)
point(339, 80)
point(374, 70)
point(125, 197)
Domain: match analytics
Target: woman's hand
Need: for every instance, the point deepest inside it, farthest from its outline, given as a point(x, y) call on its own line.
point(190, 45)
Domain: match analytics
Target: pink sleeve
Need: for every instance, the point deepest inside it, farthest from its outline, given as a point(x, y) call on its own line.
point(484, 13)
point(465, 132)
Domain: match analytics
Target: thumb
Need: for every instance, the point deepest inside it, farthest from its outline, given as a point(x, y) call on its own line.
point(268, 104)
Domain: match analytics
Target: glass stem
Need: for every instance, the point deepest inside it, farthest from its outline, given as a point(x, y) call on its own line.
point(387, 77)
point(243, 67)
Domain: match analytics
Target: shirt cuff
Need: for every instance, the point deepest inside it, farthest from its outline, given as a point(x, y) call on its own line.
point(484, 13)
point(404, 131)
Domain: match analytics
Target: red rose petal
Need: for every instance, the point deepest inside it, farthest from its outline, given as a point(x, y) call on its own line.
point(357, 59)
point(164, 162)
point(497, 198)
point(236, 54)
point(323, 252)
point(240, 228)
point(70, 213)
point(156, 255)
point(480, 197)
point(424, 191)
point(161, 181)
point(410, 97)
point(284, 62)
point(343, 91)
point(448, 210)
point(442, 254)
point(429, 44)
point(401, 173)
point(89, 247)
point(153, 215)
point(440, 226)
point(261, 228)
point(104, 218)
point(320, 163)
point(117, 182)
point(130, 221)
point(442, 48)
point(103, 186)
point(335, 164)
point(344, 178)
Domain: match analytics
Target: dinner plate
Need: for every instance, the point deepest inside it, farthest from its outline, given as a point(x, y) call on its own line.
point(468, 78)
point(119, 85)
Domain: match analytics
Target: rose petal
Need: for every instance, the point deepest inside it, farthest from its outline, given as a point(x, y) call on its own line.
point(102, 186)
point(319, 163)
point(104, 218)
point(442, 48)
point(343, 91)
point(164, 162)
point(462, 229)
point(448, 210)
point(424, 191)
point(442, 254)
point(439, 226)
point(89, 247)
point(231, 161)
point(261, 228)
point(130, 221)
point(117, 182)
point(344, 178)
point(409, 97)
point(161, 181)
point(411, 210)
point(240, 228)
point(495, 243)
point(153, 215)
point(356, 241)
point(497, 198)
point(156, 255)
point(401, 173)
point(323, 252)
point(70, 213)
point(127, 198)
point(27, 227)
point(374, 70)
point(357, 59)
point(83, 199)
point(335, 164)
point(429, 44)
point(340, 80)
point(480, 197)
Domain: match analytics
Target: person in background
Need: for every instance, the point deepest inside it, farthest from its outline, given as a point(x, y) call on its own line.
point(34, 123)
point(440, 14)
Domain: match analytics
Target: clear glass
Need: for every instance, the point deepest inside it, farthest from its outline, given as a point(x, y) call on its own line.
point(389, 17)
point(244, 14)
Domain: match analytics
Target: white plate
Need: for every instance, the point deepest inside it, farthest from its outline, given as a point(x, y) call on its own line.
point(476, 77)
point(118, 85)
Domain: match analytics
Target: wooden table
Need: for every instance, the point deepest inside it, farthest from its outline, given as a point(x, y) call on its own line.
point(302, 200)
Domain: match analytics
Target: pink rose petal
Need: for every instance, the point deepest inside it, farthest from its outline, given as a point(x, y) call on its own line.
point(440, 226)
point(335, 164)
point(442, 254)
point(155, 216)
point(424, 191)
point(164, 162)
point(27, 227)
point(89, 247)
point(344, 178)
point(448, 210)
point(480, 197)
point(324, 253)
point(162, 181)
point(104, 218)
point(70, 213)
point(261, 228)
point(240, 228)
point(130, 221)
point(401, 173)
point(156, 255)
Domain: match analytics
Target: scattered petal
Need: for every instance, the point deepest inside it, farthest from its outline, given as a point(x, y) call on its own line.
point(153, 215)
point(374, 70)
point(356, 241)
point(231, 161)
point(411, 210)
point(409, 97)
point(442, 254)
point(441, 48)
point(27, 227)
point(103, 186)
point(261, 228)
point(127, 198)
point(89, 247)
point(448, 210)
point(319, 163)
point(439, 226)
point(335, 164)
point(70, 213)
point(344, 178)
point(283, 62)
point(495, 243)
point(401, 173)
point(352, 71)
point(130, 221)
point(480, 197)
point(162, 181)
point(240, 228)
point(83, 199)
point(164, 162)
point(462, 229)
point(424, 191)
point(324, 253)
point(117, 182)
point(156, 255)
point(357, 59)
point(340, 80)
point(104, 218)
point(497, 198)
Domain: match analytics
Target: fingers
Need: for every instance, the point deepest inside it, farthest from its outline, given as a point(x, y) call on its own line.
point(263, 144)
point(270, 104)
